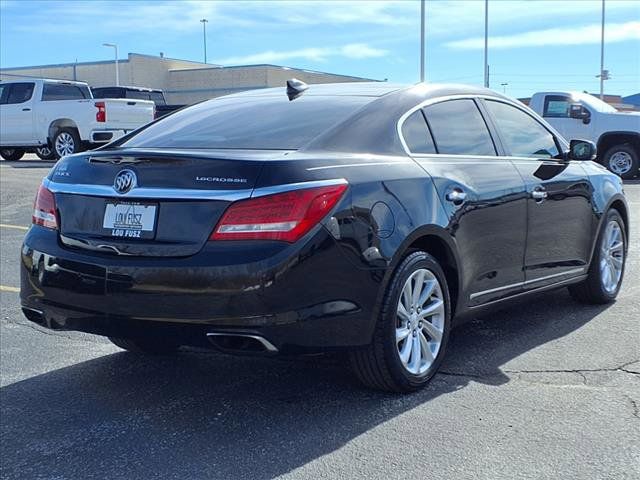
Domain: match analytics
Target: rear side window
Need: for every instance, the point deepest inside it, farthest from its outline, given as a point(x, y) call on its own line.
point(556, 106)
point(459, 129)
point(249, 122)
point(138, 94)
point(416, 134)
point(107, 93)
point(4, 90)
point(524, 136)
point(158, 98)
point(20, 92)
point(60, 91)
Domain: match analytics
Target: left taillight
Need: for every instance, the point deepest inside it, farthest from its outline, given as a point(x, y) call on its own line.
point(285, 216)
point(44, 209)
point(101, 114)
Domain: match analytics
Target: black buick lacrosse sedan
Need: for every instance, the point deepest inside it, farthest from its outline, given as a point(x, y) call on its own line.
point(368, 217)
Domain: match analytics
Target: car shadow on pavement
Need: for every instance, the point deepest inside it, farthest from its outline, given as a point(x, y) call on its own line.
point(201, 415)
point(29, 163)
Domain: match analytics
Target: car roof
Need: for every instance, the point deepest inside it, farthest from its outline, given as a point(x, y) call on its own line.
point(373, 89)
point(359, 89)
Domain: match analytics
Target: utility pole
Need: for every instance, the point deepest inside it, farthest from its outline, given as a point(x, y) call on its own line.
point(602, 75)
point(486, 43)
point(422, 8)
point(204, 22)
point(115, 47)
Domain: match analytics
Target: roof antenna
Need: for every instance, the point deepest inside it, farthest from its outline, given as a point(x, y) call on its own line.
point(295, 88)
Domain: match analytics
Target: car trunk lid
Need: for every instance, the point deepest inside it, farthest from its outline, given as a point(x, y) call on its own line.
point(175, 201)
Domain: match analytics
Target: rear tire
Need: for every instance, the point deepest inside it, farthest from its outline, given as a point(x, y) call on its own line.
point(66, 142)
point(622, 160)
point(45, 153)
point(386, 364)
point(12, 154)
point(149, 346)
point(603, 281)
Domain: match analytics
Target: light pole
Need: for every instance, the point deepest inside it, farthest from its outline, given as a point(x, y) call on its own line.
point(486, 43)
point(602, 76)
point(504, 87)
point(204, 22)
point(422, 7)
point(115, 47)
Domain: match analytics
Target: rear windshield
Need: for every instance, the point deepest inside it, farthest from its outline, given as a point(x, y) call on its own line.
point(248, 123)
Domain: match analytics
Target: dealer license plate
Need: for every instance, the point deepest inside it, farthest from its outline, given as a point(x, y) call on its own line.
point(130, 219)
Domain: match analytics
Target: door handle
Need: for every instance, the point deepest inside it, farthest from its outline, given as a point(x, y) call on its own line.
point(456, 196)
point(539, 194)
point(26, 109)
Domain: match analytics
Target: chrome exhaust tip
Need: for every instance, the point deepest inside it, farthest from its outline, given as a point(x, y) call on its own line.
point(241, 343)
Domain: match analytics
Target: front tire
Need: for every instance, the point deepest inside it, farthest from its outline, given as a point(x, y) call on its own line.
point(607, 266)
point(622, 160)
point(66, 142)
point(149, 346)
point(12, 154)
point(412, 329)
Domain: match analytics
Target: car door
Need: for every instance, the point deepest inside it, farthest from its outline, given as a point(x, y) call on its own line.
point(17, 114)
point(559, 211)
point(482, 194)
point(556, 112)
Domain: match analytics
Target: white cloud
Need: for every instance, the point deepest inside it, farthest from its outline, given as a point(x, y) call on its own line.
point(588, 34)
point(316, 54)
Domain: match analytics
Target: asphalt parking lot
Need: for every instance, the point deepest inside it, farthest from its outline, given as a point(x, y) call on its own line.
point(545, 389)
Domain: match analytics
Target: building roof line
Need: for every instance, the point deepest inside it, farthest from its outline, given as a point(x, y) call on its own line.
point(283, 67)
point(106, 62)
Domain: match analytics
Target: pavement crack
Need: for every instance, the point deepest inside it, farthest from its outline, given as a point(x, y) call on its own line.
point(578, 371)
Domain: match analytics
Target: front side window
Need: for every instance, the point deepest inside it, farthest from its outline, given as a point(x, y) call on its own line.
point(459, 129)
point(4, 89)
point(556, 106)
point(20, 92)
point(523, 135)
point(60, 91)
point(416, 134)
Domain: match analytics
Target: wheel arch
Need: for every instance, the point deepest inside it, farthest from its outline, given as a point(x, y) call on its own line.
point(618, 203)
point(59, 124)
point(437, 242)
point(609, 139)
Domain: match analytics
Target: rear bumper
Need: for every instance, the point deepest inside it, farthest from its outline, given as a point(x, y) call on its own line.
point(105, 136)
point(308, 296)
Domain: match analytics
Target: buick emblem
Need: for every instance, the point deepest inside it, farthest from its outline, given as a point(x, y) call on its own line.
point(125, 180)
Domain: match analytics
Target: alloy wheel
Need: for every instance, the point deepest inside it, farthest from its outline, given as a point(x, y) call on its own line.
point(612, 257)
point(620, 163)
point(420, 321)
point(65, 144)
point(43, 151)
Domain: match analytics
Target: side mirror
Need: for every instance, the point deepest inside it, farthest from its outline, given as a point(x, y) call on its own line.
point(582, 150)
point(577, 111)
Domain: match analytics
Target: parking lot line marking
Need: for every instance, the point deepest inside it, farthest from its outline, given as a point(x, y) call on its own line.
point(5, 288)
point(17, 227)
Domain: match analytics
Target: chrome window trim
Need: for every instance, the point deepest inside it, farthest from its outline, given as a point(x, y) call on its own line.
point(182, 193)
point(446, 98)
point(527, 282)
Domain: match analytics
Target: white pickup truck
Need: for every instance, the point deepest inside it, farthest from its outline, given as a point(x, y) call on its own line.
point(56, 118)
point(583, 116)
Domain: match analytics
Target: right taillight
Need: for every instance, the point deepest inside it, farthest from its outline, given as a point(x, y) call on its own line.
point(101, 114)
point(44, 209)
point(285, 216)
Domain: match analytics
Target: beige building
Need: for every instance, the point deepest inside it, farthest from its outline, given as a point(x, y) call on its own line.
point(183, 81)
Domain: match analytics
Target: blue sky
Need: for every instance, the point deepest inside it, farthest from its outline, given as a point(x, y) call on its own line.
point(534, 45)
